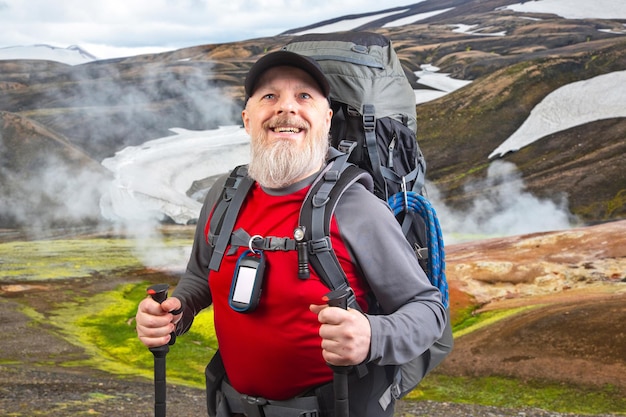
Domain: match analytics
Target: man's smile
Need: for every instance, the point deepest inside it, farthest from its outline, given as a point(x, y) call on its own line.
point(286, 129)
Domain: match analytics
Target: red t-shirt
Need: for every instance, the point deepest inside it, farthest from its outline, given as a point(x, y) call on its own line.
point(275, 352)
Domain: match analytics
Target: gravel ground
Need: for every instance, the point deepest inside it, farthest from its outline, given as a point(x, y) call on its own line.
point(38, 390)
point(33, 382)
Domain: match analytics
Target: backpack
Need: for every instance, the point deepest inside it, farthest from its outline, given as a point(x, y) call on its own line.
point(374, 123)
point(374, 120)
point(373, 141)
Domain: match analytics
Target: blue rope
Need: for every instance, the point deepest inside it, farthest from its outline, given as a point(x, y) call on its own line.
point(412, 201)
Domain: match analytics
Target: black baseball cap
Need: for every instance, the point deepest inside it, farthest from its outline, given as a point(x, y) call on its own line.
point(290, 59)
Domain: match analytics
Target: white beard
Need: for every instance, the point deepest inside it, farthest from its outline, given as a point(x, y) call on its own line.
point(278, 164)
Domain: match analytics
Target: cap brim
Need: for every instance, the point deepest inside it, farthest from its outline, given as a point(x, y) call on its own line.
point(286, 58)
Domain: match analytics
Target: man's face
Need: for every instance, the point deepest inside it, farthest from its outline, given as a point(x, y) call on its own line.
point(288, 119)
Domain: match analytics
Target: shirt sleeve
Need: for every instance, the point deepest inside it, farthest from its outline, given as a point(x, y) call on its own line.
point(193, 288)
point(411, 314)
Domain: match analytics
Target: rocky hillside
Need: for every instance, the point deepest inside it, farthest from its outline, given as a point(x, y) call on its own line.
point(100, 107)
point(573, 285)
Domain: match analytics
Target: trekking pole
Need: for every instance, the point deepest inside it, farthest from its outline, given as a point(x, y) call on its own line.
point(158, 292)
point(339, 298)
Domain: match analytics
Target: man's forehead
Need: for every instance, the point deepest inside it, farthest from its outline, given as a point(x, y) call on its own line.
point(272, 77)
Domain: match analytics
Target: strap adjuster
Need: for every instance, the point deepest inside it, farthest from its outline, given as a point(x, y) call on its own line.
point(346, 146)
point(320, 245)
point(369, 118)
point(332, 175)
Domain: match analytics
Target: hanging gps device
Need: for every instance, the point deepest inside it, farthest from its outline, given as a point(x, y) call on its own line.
point(245, 289)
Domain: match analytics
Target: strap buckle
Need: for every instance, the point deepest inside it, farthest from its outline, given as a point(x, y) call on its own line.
point(253, 406)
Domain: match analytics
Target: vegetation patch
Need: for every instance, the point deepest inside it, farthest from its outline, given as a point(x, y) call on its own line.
point(472, 322)
point(104, 325)
point(513, 393)
point(43, 260)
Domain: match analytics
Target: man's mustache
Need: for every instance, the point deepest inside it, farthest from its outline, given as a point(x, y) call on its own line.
point(279, 121)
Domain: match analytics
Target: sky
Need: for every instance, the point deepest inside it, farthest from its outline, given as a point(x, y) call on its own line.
point(115, 28)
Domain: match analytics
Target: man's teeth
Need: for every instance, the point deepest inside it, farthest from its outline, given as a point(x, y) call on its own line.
point(286, 130)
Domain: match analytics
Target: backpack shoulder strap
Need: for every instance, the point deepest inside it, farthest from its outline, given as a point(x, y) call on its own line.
point(317, 211)
point(225, 213)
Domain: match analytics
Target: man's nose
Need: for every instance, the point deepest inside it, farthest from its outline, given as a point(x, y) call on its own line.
point(287, 104)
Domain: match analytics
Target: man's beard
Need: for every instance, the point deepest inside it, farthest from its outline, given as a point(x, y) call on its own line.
point(280, 163)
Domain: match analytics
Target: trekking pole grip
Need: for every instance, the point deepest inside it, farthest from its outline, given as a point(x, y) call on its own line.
point(158, 292)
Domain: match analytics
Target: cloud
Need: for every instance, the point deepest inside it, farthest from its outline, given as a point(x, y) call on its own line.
point(158, 25)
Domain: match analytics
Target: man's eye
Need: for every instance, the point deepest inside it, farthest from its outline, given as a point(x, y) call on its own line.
point(268, 96)
point(305, 95)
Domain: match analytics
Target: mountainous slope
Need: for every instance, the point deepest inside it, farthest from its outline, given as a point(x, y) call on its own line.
point(459, 131)
point(513, 60)
point(46, 180)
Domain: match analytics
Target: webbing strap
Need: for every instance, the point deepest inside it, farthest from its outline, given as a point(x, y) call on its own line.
point(306, 406)
point(234, 194)
point(316, 219)
point(417, 176)
point(241, 238)
point(320, 246)
point(321, 254)
point(369, 128)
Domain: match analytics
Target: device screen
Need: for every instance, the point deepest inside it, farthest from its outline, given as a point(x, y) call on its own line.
point(244, 284)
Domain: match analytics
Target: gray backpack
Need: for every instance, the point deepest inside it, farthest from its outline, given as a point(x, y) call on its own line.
point(374, 122)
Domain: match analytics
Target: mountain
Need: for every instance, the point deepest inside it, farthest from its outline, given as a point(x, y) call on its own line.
point(46, 180)
point(72, 55)
point(509, 62)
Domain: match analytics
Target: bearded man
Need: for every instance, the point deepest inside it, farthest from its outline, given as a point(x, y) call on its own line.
point(276, 335)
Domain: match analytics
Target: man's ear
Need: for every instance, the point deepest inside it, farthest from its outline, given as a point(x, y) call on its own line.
point(246, 120)
point(330, 118)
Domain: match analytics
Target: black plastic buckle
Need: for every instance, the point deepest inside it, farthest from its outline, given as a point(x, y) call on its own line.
point(253, 406)
point(284, 244)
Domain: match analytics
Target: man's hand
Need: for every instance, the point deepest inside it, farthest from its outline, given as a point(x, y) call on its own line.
point(345, 334)
point(155, 323)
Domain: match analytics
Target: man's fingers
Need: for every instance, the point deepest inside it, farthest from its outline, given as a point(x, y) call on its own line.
point(326, 315)
point(155, 341)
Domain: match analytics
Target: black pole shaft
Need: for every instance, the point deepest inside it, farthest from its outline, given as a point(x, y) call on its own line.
point(160, 385)
point(340, 388)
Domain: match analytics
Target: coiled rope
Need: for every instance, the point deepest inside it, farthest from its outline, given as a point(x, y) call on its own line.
point(412, 201)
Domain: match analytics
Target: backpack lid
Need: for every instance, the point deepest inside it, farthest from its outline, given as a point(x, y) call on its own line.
point(362, 68)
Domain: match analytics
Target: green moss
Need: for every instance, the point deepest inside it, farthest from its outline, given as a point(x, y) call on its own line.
point(104, 325)
point(513, 393)
point(474, 322)
point(604, 210)
point(616, 205)
point(77, 258)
